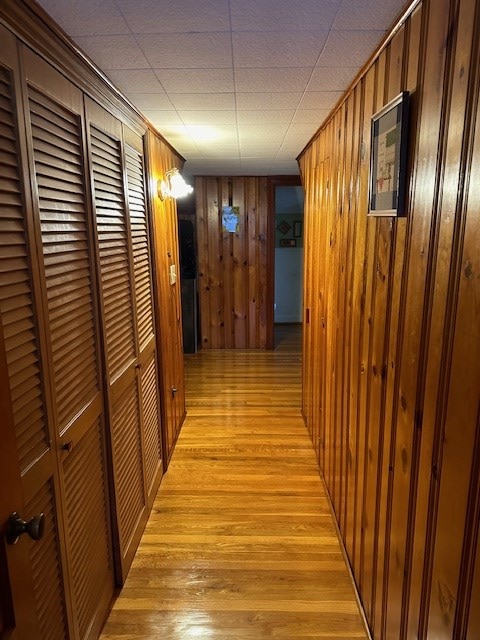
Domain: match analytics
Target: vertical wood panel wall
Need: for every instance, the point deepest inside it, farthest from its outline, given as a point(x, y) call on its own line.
point(167, 295)
point(232, 267)
point(392, 332)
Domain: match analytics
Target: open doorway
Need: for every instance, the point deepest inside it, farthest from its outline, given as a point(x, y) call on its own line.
point(288, 258)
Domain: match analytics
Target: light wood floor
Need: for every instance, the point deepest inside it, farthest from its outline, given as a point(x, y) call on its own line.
point(241, 543)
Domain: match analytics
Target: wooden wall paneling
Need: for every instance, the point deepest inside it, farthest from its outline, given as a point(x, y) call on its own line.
point(473, 622)
point(322, 321)
point(454, 343)
point(350, 222)
point(201, 220)
point(377, 365)
point(256, 256)
point(332, 301)
point(339, 311)
point(306, 172)
point(365, 254)
point(357, 302)
point(253, 270)
point(311, 216)
point(240, 273)
point(55, 132)
point(264, 249)
point(378, 438)
point(215, 263)
point(233, 267)
point(168, 320)
point(408, 414)
point(409, 39)
point(406, 369)
point(177, 388)
point(350, 384)
point(330, 239)
point(467, 623)
point(327, 249)
point(226, 301)
point(317, 378)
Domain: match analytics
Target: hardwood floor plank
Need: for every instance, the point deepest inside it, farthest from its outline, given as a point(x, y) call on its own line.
point(240, 543)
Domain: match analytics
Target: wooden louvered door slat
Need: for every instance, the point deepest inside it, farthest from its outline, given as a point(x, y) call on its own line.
point(114, 247)
point(76, 493)
point(142, 268)
point(23, 394)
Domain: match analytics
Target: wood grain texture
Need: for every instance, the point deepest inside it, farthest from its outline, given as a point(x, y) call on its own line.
point(401, 377)
point(167, 297)
point(240, 543)
point(233, 267)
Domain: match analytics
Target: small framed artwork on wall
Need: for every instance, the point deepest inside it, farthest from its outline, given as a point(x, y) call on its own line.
point(288, 242)
point(388, 158)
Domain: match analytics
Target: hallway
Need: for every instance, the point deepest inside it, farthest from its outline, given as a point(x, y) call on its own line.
point(240, 543)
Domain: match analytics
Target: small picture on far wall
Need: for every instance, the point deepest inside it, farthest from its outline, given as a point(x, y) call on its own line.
point(288, 242)
point(284, 227)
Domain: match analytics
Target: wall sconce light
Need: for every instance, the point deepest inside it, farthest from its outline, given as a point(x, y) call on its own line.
point(173, 186)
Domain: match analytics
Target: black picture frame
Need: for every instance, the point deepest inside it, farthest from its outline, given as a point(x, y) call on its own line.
point(297, 229)
point(388, 158)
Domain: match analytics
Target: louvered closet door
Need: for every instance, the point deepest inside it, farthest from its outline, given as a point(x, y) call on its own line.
point(149, 390)
point(18, 616)
point(119, 327)
point(20, 309)
point(65, 268)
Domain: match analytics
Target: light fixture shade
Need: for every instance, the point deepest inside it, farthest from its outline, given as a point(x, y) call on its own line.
point(174, 186)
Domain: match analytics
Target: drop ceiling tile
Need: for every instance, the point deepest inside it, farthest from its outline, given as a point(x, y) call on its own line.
point(280, 49)
point(260, 154)
point(274, 132)
point(196, 80)
point(287, 72)
point(150, 101)
point(276, 15)
point(87, 17)
point(208, 117)
point(176, 130)
point(353, 48)
point(298, 132)
point(268, 101)
point(272, 80)
point(247, 147)
point(268, 116)
point(184, 147)
point(205, 101)
point(320, 99)
point(135, 80)
point(187, 50)
point(113, 52)
point(331, 78)
point(162, 117)
point(181, 16)
point(310, 116)
point(361, 14)
point(212, 151)
point(210, 134)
